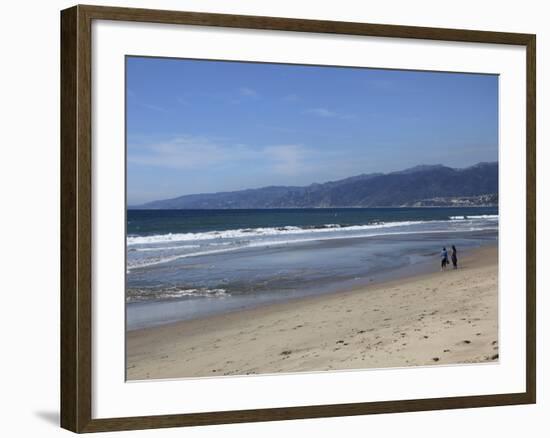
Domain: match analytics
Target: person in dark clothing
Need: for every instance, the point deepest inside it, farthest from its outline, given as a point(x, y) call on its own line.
point(444, 258)
point(454, 258)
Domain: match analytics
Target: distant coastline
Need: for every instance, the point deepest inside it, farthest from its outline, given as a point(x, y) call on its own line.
point(420, 186)
point(138, 207)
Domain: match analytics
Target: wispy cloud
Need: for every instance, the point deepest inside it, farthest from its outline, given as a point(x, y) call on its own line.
point(131, 94)
point(200, 164)
point(381, 84)
point(243, 94)
point(152, 107)
point(326, 113)
point(321, 112)
point(182, 152)
point(277, 128)
point(188, 152)
point(291, 98)
point(287, 159)
point(248, 92)
point(234, 96)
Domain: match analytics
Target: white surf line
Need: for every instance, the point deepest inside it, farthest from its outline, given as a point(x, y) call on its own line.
point(267, 244)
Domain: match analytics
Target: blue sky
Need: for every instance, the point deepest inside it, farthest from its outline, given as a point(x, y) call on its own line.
point(209, 126)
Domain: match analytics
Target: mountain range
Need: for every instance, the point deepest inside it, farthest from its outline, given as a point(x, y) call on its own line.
point(424, 185)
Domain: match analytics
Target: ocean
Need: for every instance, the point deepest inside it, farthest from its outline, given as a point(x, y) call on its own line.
point(185, 264)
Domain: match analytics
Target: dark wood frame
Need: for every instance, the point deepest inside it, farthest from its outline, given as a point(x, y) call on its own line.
point(76, 218)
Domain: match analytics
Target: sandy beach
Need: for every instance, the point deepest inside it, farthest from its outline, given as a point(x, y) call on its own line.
point(439, 318)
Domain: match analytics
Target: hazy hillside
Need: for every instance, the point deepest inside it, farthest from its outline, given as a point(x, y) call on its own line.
point(418, 186)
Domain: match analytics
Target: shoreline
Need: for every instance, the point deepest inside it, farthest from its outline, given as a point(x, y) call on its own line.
point(318, 208)
point(391, 323)
point(154, 313)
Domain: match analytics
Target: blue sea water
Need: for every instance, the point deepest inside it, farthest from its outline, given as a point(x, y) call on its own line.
point(184, 264)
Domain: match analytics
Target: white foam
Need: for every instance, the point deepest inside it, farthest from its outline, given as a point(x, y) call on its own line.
point(480, 216)
point(171, 293)
point(166, 248)
point(484, 216)
point(255, 232)
point(268, 243)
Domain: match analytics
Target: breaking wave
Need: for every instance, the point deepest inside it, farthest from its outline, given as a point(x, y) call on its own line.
point(134, 295)
point(480, 216)
point(258, 232)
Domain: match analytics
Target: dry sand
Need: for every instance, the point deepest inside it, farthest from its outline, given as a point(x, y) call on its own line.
point(441, 318)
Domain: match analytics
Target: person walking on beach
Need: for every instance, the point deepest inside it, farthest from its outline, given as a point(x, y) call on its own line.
point(444, 259)
point(454, 258)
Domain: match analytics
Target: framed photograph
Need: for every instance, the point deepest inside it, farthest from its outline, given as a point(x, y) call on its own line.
point(270, 218)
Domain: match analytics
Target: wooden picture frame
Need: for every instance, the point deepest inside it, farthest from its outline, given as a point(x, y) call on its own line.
point(76, 218)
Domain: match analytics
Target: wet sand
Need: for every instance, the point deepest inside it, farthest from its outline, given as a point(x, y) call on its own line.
point(439, 318)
